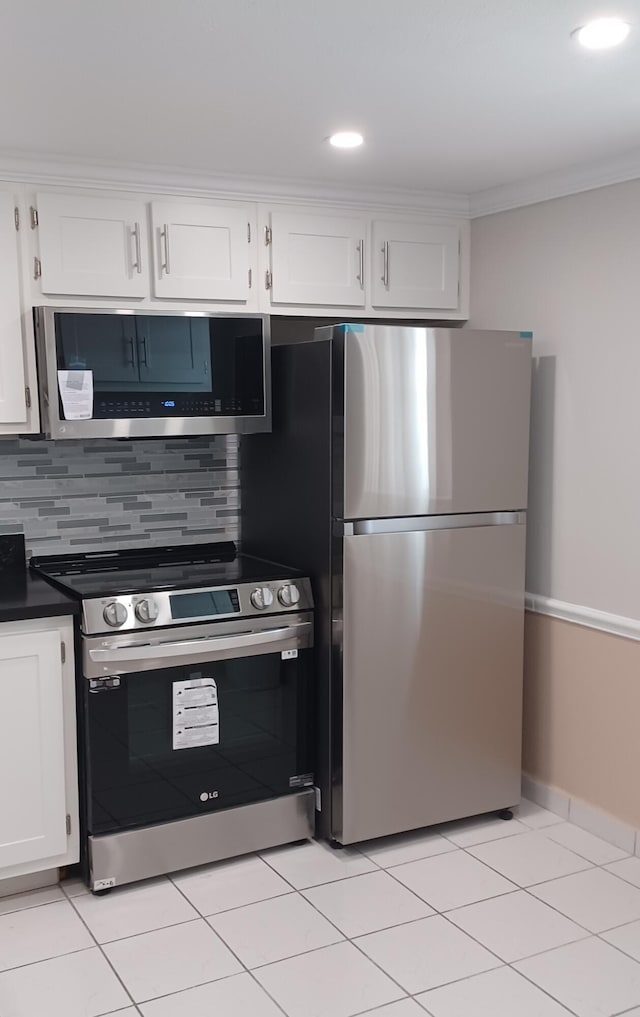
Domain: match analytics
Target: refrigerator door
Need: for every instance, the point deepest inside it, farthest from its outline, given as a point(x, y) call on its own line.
point(435, 421)
point(432, 635)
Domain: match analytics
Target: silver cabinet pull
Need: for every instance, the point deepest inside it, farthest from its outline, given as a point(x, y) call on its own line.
point(136, 238)
point(132, 357)
point(143, 348)
point(385, 264)
point(360, 275)
point(164, 233)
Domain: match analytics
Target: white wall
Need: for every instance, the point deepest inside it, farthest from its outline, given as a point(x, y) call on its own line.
point(569, 270)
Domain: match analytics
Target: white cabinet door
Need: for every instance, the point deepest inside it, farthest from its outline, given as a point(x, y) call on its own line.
point(415, 265)
point(174, 353)
point(201, 252)
point(13, 406)
point(92, 247)
point(32, 749)
point(317, 259)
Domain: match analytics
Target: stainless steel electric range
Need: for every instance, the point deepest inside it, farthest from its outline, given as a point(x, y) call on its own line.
point(195, 706)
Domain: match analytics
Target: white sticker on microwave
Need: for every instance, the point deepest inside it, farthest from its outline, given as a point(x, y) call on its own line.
point(196, 719)
point(76, 392)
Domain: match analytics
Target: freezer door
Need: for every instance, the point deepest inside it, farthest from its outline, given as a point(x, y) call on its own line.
point(432, 640)
point(435, 421)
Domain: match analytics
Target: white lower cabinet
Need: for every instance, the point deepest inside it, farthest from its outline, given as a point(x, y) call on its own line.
point(38, 756)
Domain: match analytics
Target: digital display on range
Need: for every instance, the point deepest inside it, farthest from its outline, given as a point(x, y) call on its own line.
point(204, 604)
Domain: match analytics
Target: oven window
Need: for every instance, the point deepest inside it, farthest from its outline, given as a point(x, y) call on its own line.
point(146, 365)
point(180, 741)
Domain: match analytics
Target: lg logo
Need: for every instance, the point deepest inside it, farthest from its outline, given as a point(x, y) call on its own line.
point(208, 796)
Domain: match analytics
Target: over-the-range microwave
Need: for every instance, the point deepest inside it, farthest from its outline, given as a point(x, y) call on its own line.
point(116, 373)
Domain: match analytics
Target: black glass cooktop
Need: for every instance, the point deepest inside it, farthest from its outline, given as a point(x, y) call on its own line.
point(97, 574)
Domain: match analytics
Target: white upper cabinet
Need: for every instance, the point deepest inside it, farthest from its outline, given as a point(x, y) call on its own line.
point(415, 265)
point(237, 256)
point(37, 747)
point(13, 403)
point(203, 252)
point(317, 259)
point(94, 247)
point(160, 365)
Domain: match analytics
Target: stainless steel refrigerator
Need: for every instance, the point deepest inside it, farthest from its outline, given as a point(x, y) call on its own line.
point(396, 476)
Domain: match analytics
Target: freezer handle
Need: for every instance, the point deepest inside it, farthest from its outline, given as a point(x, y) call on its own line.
point(411, 524)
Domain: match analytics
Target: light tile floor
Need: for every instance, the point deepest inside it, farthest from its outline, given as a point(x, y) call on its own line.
point(532, 918)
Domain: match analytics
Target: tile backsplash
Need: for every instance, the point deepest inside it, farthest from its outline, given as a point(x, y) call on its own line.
point(76, 495)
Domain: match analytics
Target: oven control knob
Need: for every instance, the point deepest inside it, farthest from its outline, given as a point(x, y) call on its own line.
point(289, 595)
point(262, 598)
point(146, 610)
point(115, 614)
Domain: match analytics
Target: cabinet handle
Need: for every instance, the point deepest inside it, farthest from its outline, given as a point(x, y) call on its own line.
point(143, 345)
point(132, 358)
point(136, 237)
point(361, 263)
point(164, 233)
point(385, 264)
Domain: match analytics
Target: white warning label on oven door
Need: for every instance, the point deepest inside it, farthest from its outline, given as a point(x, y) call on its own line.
point(196, 720)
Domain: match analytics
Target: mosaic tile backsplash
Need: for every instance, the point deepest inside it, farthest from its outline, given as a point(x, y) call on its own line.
point(76, 495)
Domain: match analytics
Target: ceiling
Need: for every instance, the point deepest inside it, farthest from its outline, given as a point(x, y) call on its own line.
point(451, 95)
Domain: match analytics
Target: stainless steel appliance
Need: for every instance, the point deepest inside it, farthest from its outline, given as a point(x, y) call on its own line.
point(396, 475)
point(116, 373)
point(194, 697)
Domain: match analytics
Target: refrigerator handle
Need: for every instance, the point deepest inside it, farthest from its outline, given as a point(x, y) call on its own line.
point(409, 524)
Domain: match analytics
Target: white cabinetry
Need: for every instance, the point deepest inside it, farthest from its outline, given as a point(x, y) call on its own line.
point(93, 247)
point(202, 252)
point(415, 265)
point(161, 367)
point(316, 259)
point(39, 786)
point(13, 401)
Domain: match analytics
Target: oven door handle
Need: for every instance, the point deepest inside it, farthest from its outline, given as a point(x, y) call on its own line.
point(205, 647)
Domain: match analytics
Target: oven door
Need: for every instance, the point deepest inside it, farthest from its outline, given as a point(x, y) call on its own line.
point(184, 721)
point(124, 373)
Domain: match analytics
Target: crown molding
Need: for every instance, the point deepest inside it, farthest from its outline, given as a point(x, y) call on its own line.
point(56, 171)
point(616, 624)
point(60, 172)
point(556, 185)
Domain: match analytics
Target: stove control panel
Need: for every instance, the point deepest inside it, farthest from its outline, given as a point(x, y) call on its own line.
point(161, 608)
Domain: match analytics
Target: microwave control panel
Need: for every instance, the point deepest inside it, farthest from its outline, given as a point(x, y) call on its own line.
point(118, 406)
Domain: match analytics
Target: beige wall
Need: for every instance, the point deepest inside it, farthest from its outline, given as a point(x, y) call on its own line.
point(569, 270)
point(582, 713)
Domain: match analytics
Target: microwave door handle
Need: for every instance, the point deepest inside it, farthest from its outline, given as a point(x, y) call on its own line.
point(202, 647)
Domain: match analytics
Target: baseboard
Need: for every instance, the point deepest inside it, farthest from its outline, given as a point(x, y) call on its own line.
point(34, 881)
point(583, 814)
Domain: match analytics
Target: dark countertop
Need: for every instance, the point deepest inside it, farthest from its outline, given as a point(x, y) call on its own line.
point(30, 596)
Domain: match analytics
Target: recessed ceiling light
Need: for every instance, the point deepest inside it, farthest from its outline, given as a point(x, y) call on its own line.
point(346, 139)
point(602, 33)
